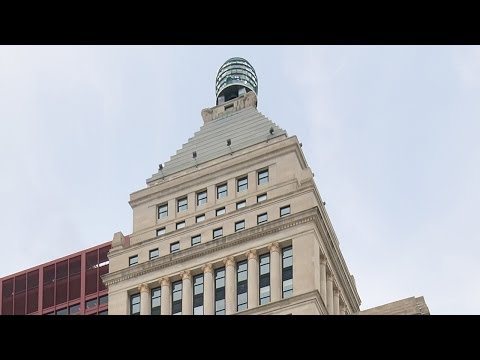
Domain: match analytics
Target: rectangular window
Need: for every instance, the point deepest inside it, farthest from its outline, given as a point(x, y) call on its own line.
point(197, 239)
point(74, 309)
point(261, 198)
point(182, 204)
point(287, 272)
point(220, 291)
point(153, 254)
point(201, 197)
point(163, 211)
point(240, 225)
point(263, 177)
point(160, 231)
point(155, 300)
point(90, 304)
point(242, 286)
point(104, 312)
point(177, 298)
point(200, 218)
point(133, 260)
point(62, 312)
point(102, 300)
point(222, 191)
point(180, 225)
point(217, 233)
point(198, 295)
point(284, 211)
point(174, 247)
point(241, 204)
point(262, 218)
point(220, 211)
point(264, 279)
point(135, 304)
point(242, 184)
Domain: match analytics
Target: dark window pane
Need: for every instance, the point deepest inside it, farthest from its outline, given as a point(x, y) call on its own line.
point(284, 211)
point(90, 304)
point(197, 239)
point(62, 311)
point(74, 309)
point(154, 254)
point(261, 198)
point(103, 300)
point(202, 198)
point(156, 300)
point(217, 233)
point(242, 184)
point(133, 260)
point(135, 304)
point(221, 191)
point(163, 211)
point(262, 218)
point(240, 225)
point(174, 247)
point(263, 177)
point(177, 298)
point(241, 204)
point(182, 205)
point(48, 286)
point(160, 231)
point(220, 211)
point(7, 297)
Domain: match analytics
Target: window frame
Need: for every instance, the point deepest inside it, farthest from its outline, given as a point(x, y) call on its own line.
point(180, 224)
point(220, 209)
point(261, 195)
point(263, 171)
point(150, 254)
point(174, 243)
point(222, 192)
point(184, 198)
point(136, 296)
point(244, 202)
point(159, 214)
point(130, 258)
point(203, 198)
point(283, 208)
point(194, 237)
point(239, 185)
point(159, 288)
point(199, 216)
point(157, 232)
point(213, 233)
point(238, 222)
point(258, 218)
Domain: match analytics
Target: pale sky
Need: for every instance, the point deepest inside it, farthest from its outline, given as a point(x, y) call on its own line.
point(391, 133)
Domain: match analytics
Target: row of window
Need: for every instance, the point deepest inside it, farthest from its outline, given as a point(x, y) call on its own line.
point(221, 190)
point(219, 296)
point(217, 233)
point(90, 304)
point(218, 212)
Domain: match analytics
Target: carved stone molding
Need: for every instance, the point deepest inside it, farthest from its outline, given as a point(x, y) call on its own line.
point(275, 246)
point(229, 261)
point(207, 268)
point(186, 275)
point(251, 254)
point(165, 281)
point(323, 259)
point(336, 292)
point(143, 288)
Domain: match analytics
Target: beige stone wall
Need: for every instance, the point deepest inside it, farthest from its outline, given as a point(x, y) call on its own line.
point(307, 229)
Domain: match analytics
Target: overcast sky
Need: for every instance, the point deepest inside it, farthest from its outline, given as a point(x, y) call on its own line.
point(391, 133)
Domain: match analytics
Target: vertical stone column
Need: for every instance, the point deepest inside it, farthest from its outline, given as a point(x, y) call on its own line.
point(336, 302)
point(166, 306)
point(323, 278)
point(253, 298)
point(187, 293)
point(275, 272)
point(144, 299)
point(330, 294)
point(230, 301)
point(342, 309)
point(208, 290)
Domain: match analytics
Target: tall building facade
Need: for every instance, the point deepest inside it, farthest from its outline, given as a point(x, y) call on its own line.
point(233, 223)
point(70, 285)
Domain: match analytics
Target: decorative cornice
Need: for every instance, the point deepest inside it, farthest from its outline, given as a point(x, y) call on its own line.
point(229, 261)
point(251, 255)
point(275, 246)
point(165, 281)
point(211, 247)
point(143, 288)
point(186, 275)
point(207, 268)
point(323, 259)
